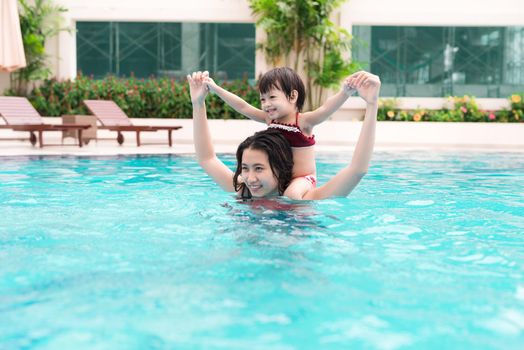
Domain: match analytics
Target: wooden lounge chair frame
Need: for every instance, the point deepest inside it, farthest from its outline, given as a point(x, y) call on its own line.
point(20, 115)
point(111, 117)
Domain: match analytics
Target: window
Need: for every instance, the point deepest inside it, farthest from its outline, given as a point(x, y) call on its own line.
point(165, 49)
point(441, 61)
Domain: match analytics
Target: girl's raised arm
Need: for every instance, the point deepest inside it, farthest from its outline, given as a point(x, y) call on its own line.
point(205, 152)
point(368, 87)
point(236, 102)
point(330, 106)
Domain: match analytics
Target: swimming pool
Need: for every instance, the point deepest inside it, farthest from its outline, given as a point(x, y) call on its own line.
point(146, 252)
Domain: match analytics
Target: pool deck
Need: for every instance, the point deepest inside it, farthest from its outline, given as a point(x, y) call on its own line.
point(331, 136)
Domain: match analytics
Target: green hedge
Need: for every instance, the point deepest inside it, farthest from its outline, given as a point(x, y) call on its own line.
point(465, 109)
point(139, 98)
point(167, 98)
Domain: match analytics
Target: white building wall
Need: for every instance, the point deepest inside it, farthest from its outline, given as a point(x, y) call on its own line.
point(160, 10)
point(380, 12)
point(354, 12)
point(475, 13)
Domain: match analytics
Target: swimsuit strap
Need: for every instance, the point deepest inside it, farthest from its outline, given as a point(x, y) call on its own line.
point(296, 120)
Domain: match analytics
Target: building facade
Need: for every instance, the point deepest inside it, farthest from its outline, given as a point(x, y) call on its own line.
point(418, 48)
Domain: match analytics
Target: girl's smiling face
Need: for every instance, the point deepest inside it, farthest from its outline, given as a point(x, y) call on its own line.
point(257, 173)
point(277, 105)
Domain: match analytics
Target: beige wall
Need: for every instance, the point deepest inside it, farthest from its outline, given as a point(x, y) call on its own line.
point(160, 10)
point(4, 82)
point(434, 13)
point(398, 12)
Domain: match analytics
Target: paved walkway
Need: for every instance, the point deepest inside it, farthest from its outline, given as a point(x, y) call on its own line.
point(331, 136)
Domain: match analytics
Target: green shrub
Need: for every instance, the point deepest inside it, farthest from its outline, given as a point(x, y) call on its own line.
point(167, 98)
point(465, 109)
point(517, 108)
point(138, 98)
point(387, 109)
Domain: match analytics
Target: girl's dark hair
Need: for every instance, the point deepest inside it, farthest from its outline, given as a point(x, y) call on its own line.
point(286, 80)
point(279, 154)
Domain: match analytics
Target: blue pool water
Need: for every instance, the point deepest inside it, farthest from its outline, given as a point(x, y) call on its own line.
point(147, 253)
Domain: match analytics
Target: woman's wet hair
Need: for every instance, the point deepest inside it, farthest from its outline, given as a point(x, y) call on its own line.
point(286, 80)
point(279, 154)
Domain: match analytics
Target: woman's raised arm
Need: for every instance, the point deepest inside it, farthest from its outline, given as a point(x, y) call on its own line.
point(204, 149)
point(368, 87)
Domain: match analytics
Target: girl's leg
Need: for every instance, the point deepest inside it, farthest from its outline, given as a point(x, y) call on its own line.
point(298, 187)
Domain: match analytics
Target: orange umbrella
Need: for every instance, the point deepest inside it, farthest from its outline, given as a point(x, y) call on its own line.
point(11, 46)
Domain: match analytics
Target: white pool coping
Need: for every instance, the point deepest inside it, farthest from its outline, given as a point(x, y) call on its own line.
point(331, 136)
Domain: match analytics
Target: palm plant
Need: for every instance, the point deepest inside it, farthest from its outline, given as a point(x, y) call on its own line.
point(39, 21)
point(299, 33)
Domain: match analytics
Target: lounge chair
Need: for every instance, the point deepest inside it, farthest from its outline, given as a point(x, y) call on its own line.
point(20, 115)
point(111, 117)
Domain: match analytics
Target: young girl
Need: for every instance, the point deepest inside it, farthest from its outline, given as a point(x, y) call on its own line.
point(282, 96)
point(264, 161)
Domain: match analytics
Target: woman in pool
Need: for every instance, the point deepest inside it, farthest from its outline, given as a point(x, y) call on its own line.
point(265, 161)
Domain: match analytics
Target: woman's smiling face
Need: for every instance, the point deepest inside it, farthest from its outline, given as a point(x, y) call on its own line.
point(257, 173)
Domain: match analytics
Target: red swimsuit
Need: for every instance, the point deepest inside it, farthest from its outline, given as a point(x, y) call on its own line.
point(296, 138)
point(293, 134)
